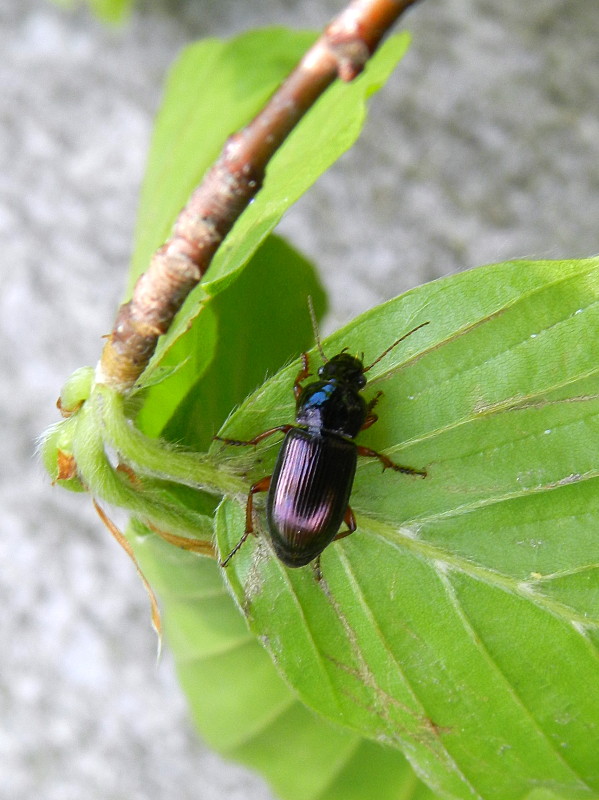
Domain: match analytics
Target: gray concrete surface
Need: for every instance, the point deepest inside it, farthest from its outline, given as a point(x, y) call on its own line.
point(485, 146)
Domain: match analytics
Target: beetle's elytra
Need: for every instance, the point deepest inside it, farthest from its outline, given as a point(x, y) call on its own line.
point(310, 487)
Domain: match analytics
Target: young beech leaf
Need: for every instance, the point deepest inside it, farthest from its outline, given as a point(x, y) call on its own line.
point(332, 126)
point(460, 622)
point(241, 705)
point(232, 81)
point(263, 322)
point(215, 88)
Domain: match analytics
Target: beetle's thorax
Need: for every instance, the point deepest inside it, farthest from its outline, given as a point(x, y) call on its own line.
point(332, 405)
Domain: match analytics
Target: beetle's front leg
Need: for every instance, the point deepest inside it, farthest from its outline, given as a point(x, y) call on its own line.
point(370, 417)
point(301, 376)
point(387, 463)
point(262, 485)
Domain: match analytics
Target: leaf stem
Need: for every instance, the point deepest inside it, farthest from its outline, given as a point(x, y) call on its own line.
point(103, 480)
point(154, 457)
point(342, 51)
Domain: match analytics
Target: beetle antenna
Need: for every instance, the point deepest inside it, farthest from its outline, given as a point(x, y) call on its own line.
point(315, 328)
point(401, 338)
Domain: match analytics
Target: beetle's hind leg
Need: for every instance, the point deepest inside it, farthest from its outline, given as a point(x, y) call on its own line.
point(388, 464)
point(350, 521)
point(262, 485)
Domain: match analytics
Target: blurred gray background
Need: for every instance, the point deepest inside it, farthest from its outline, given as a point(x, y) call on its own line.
point(483, 147)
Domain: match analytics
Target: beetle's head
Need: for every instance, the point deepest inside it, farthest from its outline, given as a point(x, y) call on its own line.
point(344, 368)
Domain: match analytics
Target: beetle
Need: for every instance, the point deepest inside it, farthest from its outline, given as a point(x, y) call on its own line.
point(310, 487)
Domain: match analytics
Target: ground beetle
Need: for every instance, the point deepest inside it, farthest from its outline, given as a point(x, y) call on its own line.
point(309, 489)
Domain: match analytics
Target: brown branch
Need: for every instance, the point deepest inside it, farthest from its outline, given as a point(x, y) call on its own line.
point(341, 51)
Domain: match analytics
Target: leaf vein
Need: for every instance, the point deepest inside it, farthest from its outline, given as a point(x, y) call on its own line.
point(432, 554)
point(476, 637)
point(374, 626)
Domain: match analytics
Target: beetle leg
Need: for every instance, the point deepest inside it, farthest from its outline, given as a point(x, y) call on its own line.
point(262, 485)
point(370, 417)
point(350, 521)
point(316, 571)
point(387, 463)
point(373, 402)
point(255, 440)
point(301, 376)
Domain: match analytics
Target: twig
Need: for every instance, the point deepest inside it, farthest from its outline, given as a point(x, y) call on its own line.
point(342, 51)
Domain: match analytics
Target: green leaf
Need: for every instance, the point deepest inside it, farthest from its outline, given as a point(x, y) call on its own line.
point(240, 703)
point(232, 81)
point(56, 450)
point(332, 126)
point(263, 322)
point(460, 623)
point(107, 10)
point(111, 10)
point(229, 347)
point(178, 365)
point(214, 88)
